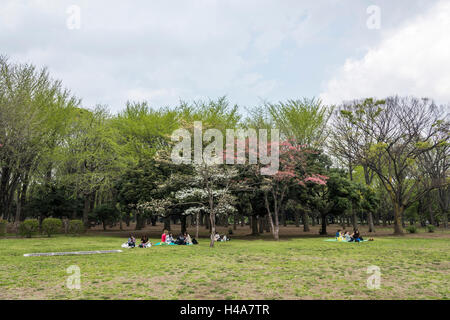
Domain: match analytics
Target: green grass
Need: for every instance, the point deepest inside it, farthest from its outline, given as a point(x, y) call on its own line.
point(240, 269)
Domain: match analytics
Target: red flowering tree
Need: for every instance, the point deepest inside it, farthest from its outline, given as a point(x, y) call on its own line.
point(293, 171)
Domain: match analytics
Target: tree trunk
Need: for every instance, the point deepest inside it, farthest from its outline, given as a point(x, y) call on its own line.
point(202, 215)
point(283, 216)
point(323, 231)
point(354, 221)
point(22, 199)
point(371, 226)
point(342, 223)
point(212, 218)
point(18, 209)
point(140, 222)
point(305, 221)
point(207, 222)
point(197, 224)
point(87, 206)
point(430, 211)
point(445, 218)
point(183, 223)
point(261, 225)
point(254, 225)
point(267, 223)
point(276, 233)
point(273, 227)
point(398, 215)
point(167, 223)
point(297, 218)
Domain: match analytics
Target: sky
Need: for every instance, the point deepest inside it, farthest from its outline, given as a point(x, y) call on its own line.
point(252, 51)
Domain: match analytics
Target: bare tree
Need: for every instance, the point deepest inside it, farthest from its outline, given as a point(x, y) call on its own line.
point(399, 132)
point(435, 165)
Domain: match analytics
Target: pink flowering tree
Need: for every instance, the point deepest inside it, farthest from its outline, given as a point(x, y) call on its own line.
point(293, 172)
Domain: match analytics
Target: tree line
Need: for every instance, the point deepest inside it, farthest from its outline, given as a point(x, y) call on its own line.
point(371, 161)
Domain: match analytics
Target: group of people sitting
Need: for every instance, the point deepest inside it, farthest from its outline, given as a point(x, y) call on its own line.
point(346, 236)
point(182, 239)
point(131, 243)
point(217, 237)
point(167, 238)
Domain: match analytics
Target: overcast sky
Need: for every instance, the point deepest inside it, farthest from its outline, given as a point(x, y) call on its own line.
point(248, 50)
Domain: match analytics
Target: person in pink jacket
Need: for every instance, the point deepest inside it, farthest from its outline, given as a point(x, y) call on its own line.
point(163, 236)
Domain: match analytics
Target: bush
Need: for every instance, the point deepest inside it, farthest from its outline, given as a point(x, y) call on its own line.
point(12, 228)
point(3, 224)
point(29, 227)
point(412, 229)
point(76, 227)
point(431, 228)
point(51, 226)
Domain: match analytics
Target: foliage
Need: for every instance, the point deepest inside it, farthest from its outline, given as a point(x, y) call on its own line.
point(51, 226)
point(106, 214)
point(303, 121)
point(3, 224)
point(59, 159)
point(29, 227)
point(76, 227)
point(412, 229)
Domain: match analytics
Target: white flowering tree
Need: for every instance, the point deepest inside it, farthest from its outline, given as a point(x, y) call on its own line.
point(209, 190)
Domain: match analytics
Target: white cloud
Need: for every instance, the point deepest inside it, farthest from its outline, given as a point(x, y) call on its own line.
point(411, 60)
point(151, 49)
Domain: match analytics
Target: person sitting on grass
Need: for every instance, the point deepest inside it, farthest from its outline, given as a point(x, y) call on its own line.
point(164, 236)
point(187, 238)
point(347, 236)
point(145, 243)
point(338, 233)
point(131, 241)
point(217, 237)
point(180, 240)
point(170, 239)
point(356, 236)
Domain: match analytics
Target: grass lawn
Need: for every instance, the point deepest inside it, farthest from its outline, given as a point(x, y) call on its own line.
point(305, 268)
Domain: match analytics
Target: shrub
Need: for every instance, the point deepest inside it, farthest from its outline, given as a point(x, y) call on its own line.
point(51, 226)
point(76, 227)
point(3, 224)
point(412, 229)
point(431, 228)
point(29, 227)
point(12, 228)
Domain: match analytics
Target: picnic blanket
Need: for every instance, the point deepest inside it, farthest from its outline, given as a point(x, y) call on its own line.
point(169, 244)
point(335, 240)
point(165, 244)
